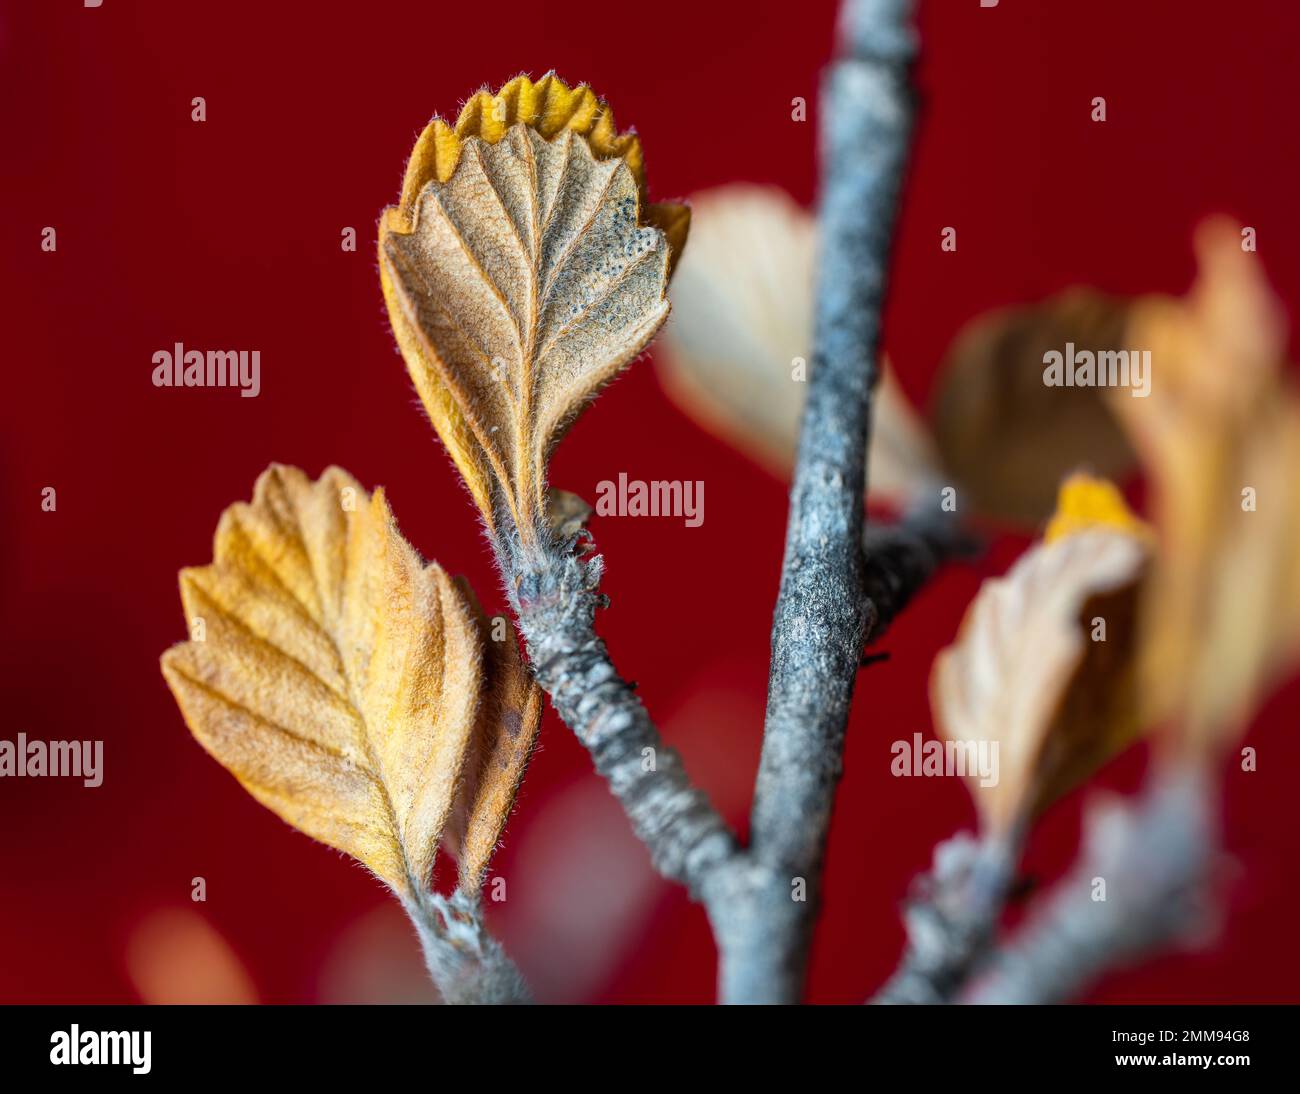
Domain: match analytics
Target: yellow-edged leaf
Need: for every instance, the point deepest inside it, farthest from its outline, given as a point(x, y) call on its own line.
point(1026, 670)
point(740, 341)
point(1087, 503)
point(523, 270)
point(331, 671)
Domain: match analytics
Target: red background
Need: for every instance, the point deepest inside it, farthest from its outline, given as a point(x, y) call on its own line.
point(226, 234)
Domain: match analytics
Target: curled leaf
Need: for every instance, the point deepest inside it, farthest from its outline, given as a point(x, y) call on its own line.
point(523, 270)
point(741, 338)
point(504, 734)
point(333, 673)
point(1010, 437)
point(1088, 503)
point(1029, 670)
point(1219, 436)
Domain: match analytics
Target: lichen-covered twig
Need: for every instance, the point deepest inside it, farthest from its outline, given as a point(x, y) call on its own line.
point(823, 616)
point(1142, 885)
point(466, 963)
point(554, 592)
point(951, 916)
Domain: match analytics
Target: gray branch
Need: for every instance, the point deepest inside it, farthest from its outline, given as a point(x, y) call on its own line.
point(951, 916)
point(823, 616)
point(1155, 857)
point(466, 963)
point(555, 595)
point(898, 559)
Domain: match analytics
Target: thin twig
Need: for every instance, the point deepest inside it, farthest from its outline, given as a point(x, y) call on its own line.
point(466, 963)
point(899, 559)
point(823, 615)
point(951, 916)
point(1141, 886)
point(555, 595)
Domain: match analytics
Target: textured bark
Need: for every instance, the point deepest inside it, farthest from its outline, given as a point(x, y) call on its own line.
point(556, 598)
point(823, 615)
point(467, 964)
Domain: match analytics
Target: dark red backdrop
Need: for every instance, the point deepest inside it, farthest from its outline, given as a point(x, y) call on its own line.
point(227, 233)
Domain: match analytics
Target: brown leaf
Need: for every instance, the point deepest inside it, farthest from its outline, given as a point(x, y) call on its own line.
point(331, 671)
point(566, 513)
point(1025, 671)
point(1222, 614)
point(742, 318)
point(522, 272)
point(1008, 437)
point(504, 735)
